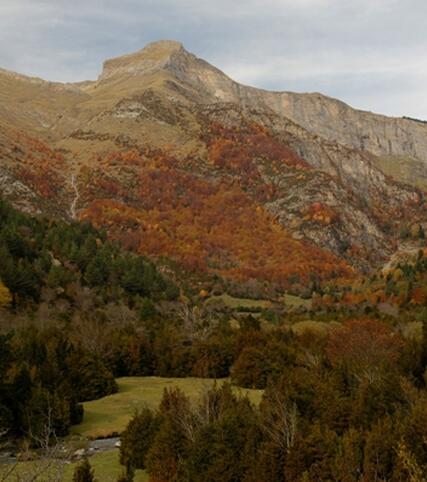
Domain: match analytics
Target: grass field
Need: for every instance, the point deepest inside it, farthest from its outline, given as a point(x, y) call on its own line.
point(249, 304)
point(296, 301)
point(235, 303)
point(106, 467)
point(413, 329)
point(110, 415)
point(318, 327)
point(404, 169)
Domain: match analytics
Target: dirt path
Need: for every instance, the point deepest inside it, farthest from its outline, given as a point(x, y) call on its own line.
point(76, 197)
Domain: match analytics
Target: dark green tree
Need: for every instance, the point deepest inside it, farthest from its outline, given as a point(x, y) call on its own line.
point(137, 439)
point(83, 472)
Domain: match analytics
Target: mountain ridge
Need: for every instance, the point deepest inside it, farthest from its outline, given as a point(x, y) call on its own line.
point(316, 112)
point(320, 169)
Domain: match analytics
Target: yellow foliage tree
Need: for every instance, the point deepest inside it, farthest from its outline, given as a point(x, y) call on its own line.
point(5, 295)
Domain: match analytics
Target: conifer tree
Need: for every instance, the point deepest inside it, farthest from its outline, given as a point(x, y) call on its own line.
point(83, 472)
point(137, 439)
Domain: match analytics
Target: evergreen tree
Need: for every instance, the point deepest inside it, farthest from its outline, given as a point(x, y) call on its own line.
point(137, 439)
point(97, 271)
point(83, 472)
point(147, 310)
point(133, 278)
point(89, 377)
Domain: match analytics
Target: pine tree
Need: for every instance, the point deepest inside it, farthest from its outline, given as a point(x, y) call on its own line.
point(146, 312)
point(83, 472)
point(97, 271)
point(137, 439)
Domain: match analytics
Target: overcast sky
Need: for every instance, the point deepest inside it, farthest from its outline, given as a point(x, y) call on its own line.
point(369, 53)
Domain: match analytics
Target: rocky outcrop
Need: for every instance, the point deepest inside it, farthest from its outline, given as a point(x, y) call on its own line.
point(326, 117)
point(152, 58)
point(337, 122)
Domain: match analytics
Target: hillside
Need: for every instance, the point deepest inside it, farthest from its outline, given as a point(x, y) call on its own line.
point(177, 160)
point(78, 313)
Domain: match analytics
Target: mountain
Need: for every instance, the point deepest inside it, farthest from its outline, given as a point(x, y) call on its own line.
point(180, 162)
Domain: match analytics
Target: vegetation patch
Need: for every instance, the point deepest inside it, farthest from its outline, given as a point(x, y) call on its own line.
point(406, 169)
point(317, 327)
point(296, 301)
point(239, 304)
point(106, 466)
point(110, 415)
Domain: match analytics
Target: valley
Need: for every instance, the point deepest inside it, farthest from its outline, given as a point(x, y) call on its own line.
point(107, 418)
point(201, 281)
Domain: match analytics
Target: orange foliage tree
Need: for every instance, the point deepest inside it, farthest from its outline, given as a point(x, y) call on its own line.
point(157, 206)
point(365, 347)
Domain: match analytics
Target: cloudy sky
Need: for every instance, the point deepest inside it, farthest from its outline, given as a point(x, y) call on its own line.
point(369, 53)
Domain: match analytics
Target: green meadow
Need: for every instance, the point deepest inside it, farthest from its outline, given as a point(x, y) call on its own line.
point(109, 416)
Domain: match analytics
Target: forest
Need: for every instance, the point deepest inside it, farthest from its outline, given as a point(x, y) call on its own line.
point(348, 404)
point(154, 204)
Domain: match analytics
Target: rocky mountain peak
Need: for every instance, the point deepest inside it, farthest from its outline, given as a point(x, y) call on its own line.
point(209, 84)
point(152, 57)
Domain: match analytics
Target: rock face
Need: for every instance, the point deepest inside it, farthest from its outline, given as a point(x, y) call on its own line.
point(329, 175)
point(329, 118)
point(335, 121)
point(398, 145)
